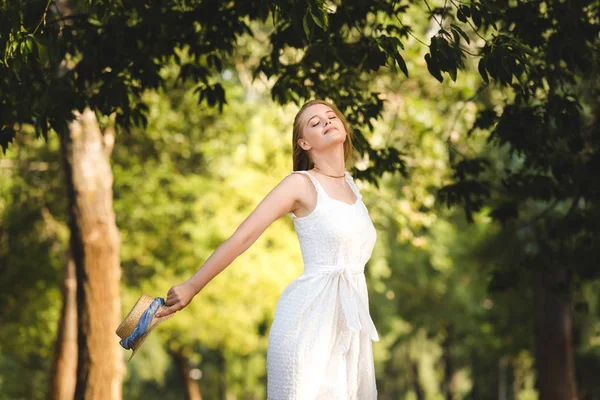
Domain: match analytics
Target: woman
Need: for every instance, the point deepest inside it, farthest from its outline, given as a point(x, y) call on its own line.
point(320, 340)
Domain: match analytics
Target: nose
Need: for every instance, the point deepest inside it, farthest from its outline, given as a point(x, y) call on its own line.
point(327, 121)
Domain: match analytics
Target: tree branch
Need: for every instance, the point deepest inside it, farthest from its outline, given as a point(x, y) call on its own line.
point(43, 20)
point(68, 17)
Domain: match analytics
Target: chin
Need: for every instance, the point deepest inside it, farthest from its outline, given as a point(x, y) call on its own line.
point(337, 132)
point(338, 137)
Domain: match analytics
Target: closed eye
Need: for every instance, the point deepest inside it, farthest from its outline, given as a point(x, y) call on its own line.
point(317, 122)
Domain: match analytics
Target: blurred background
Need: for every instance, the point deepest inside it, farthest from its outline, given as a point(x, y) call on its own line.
point(483, 281)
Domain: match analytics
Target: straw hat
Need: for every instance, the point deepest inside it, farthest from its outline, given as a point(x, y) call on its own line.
point(131, 320)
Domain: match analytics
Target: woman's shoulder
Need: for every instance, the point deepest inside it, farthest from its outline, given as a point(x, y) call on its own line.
point(296, 181)
point(304, 192)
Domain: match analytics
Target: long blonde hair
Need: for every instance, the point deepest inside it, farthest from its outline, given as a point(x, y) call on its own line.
point(301, 159)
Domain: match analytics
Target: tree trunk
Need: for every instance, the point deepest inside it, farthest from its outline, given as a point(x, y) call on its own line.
point(475, 390)
point(448, 363)
point(554, 337)
point(192, 389)
point(502, 379)
point(417, 380)
point(64, 365)
point(223, 375)
point(95, 250)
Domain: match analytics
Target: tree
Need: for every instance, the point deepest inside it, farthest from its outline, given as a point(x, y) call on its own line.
point(47, 57)
point(52, 50)
point(542, 186)
point(33, 238)
point(332, 50)
point(94, 247)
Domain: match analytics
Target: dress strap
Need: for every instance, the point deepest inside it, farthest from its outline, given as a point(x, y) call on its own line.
point(353, 186)
point(318, 188)
point(314, 181)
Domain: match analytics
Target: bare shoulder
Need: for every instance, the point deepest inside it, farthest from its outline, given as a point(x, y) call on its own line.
point(299, 186)
point(286, 195)
point(292, 186)
point(295, 179)
point(282, 199)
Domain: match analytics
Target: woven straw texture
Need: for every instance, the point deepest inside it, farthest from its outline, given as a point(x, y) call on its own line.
point(133, 317)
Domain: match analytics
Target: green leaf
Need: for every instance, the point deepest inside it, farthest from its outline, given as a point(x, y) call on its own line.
point(433, 67)
point(462, 33)
point(320, 19)
point(456, 38)
point(433, 47)
point(307, 30)
point(482, 70)
point(7, 135)
point(452, 72)
point(60, 126)
point(475, 15)
point(463, 13)
point(507, 73)
point(401, 63)
point(445, 52)
point(444, 32)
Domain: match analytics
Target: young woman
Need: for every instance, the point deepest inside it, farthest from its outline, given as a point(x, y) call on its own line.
point(320, 340)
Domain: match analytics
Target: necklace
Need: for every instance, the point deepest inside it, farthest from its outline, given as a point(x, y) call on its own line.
point(333, 176)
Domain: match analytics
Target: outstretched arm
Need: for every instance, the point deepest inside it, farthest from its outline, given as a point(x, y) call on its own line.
point(282, 199)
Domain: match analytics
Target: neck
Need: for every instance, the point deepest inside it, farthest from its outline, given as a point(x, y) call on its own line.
point(330, 162)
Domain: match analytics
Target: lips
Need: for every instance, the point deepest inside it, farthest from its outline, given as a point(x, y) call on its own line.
point(329, 130)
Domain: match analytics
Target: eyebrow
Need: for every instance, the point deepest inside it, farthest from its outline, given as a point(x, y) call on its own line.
point(328, 111)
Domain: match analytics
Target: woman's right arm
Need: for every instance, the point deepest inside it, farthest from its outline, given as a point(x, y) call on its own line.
point(282, 199)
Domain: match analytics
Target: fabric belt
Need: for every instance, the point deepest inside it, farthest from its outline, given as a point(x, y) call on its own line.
point(356, 311)
point(143, 324)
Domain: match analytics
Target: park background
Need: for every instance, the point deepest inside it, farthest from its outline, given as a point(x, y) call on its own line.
point(477, 151)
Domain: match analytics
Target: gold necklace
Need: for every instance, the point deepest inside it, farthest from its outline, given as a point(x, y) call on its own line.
point(333, 176)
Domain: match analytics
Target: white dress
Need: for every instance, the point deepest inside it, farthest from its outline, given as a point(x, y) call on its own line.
point(320, 340)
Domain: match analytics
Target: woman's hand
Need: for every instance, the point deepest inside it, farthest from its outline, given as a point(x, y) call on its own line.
point(178, 297)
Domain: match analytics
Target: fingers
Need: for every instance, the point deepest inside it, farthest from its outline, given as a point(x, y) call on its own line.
point(171, 297)
point(166, 311)
point(173, 303)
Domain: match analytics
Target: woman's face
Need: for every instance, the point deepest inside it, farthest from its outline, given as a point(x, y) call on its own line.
point(320, 127)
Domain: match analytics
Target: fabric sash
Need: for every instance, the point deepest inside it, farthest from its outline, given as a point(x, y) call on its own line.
point(356, 311)
point(143, 323)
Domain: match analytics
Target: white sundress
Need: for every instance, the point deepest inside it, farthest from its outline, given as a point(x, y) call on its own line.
point(320, 341)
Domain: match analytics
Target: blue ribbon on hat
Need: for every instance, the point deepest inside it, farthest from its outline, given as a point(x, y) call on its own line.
point(143, 323)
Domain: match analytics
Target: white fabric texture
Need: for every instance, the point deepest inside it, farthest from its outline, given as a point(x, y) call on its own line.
point(320, 342)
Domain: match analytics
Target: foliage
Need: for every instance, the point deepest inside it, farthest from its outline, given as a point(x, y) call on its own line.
point(169, 195)
point(522, 148)
point(104, 55)
point(543, 151)
point(33, 239)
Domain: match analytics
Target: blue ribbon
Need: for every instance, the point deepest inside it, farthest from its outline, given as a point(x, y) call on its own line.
point(143, 324)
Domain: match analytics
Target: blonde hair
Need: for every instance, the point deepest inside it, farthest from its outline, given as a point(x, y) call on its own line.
point(301, 159)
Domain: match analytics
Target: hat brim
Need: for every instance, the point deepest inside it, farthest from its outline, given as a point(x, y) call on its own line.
point(126, 327)
point(153, 324)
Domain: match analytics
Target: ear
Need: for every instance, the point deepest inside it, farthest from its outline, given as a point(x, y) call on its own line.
point(305, 146)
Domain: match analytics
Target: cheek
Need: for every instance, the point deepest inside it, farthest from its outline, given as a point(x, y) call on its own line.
point(310, 131)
